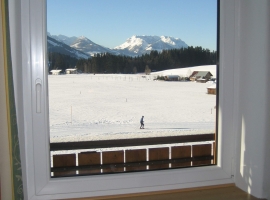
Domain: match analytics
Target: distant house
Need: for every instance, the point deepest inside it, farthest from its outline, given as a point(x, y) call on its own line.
point(192, 77)
point(71, 71)
point(55, 71)
point(172, 78)
point(201, 76)
point(212, 89)
point(201, 80)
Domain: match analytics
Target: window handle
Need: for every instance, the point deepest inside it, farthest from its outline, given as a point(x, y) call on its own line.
point(38, 95)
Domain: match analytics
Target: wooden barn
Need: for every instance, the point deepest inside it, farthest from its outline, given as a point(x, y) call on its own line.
point(55, 71)
point(71, 71)
point(172, 78)
point(212, 89)
point(201, 76)
point(201, 80)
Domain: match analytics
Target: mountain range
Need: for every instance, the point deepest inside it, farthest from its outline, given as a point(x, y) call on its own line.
point(138, 45)
point(82, 47)
point(54, 45)
point(87, 46)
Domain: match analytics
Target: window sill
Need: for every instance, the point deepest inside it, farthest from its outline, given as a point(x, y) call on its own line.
point(226, 191)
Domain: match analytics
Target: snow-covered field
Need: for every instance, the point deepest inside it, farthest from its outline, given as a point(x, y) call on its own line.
point(109, 106)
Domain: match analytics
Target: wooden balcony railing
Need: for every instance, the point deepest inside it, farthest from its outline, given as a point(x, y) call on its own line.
point(197, 150)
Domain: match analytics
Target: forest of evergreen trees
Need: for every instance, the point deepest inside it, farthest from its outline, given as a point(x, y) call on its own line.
point(61, 61)
point(155, 61)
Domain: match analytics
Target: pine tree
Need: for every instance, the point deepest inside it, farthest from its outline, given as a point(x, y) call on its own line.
point(147, 70)
point(134, 70)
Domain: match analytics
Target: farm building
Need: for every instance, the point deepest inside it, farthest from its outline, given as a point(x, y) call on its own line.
point(71, 71)
point(201, 80)
point(211, 89)
point(55, 71)
point(172, 78)
point(201, 76)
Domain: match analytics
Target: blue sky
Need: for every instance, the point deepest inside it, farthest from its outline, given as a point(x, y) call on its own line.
point(111, 22)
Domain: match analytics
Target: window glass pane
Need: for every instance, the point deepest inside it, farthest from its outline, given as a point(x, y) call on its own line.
point(132, 69)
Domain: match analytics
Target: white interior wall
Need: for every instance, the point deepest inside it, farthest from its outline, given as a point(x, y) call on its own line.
point(252, 61)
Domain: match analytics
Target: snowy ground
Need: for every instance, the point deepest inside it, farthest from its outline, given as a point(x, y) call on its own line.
point(109, 106)
point(186, 72)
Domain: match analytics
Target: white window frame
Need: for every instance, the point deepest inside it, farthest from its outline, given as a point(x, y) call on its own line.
point(28, 43)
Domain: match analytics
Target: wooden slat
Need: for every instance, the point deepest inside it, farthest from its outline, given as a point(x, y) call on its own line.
point(159, 154)
point(214, 153)
point(137, 155)
point(64, 160)
point(201, 150)
point(181, 152)
point(112, 157)
point(131, 142)
point(133, 164)
point(89, 158)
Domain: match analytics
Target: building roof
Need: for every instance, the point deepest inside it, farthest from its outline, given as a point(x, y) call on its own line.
point(193, 74)
point(56, 70)
point(212, 86)
point(203, 73)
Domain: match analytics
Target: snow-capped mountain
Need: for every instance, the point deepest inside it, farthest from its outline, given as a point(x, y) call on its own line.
point(63, 38)
point(87, 46)
point(138, 45)
point(54, 45)
point(134, 46)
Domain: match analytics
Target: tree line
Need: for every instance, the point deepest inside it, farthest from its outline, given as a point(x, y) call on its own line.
point(61, 61)
point(154, 61)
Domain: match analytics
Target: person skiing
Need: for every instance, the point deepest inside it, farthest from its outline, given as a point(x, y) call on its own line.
point(142, 123)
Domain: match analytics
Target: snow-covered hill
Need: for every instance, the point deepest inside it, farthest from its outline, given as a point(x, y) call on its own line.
point(54, 45)
point(138, 45)
point(64, 39)
point(187, 71)
point(87, 46)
